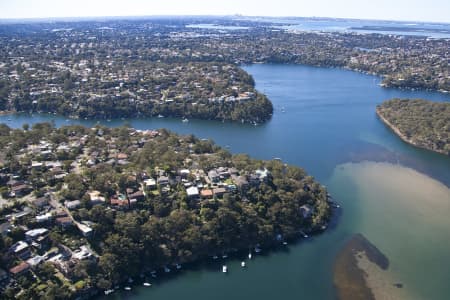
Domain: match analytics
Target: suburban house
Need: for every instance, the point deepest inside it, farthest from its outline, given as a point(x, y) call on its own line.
point(306, 211)
point(192, 192)
point(20, 269)
point(72, 204)
point(96, 198)
point(206, 194)
point(21, 250)
point(64, 222)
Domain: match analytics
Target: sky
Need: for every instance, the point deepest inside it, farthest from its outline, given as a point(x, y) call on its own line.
point(404, 10)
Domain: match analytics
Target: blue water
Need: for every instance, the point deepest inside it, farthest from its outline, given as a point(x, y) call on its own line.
point(323, 118)
point(434, 30)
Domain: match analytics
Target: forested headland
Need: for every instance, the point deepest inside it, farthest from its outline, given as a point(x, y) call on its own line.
point(422, 123)
point(90, 208)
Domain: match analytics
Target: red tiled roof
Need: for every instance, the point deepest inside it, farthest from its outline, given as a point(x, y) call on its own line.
point(206, 193)
point(23, 266)
point(64, 220)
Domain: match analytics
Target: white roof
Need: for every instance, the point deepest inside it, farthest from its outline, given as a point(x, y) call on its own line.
point(82, 253)
point(19, 246)
point(35, 260)
point(192, 191)
point(44, 217)
point(72, 204)
point(150, 181)
point(84, 228)
point(36, 232)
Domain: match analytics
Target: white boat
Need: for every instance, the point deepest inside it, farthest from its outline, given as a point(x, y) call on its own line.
point(224, 269)
point(224, 256)
point(257, 249)
point(215, 257)
point(107, 292)
point(147, 284)
point(160, 116)
point(285, 243)
point(166, 269)
point(243, 264)
point(153, 273)
point(178, 266)
point(249, 255)
point(185, 120)
point(127, 288)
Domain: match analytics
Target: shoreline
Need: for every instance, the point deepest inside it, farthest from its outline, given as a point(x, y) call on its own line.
point(401, 135)
point(6, 112)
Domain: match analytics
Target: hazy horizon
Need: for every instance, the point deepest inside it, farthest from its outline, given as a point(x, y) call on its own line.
point(126, 17)
point(436, 11)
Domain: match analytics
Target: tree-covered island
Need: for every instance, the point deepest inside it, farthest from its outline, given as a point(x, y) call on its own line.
point(86, 209)
point(422, 123)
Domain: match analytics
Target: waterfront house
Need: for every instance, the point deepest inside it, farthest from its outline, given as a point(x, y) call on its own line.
point(306, 211)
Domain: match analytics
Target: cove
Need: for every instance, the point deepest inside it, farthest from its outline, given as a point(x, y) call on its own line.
point(324, 121)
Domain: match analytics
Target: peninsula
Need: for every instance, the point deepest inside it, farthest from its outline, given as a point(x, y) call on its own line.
point(419, 122)
point(87, 209)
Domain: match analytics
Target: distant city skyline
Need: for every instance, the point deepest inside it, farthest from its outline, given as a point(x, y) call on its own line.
point(401, 10)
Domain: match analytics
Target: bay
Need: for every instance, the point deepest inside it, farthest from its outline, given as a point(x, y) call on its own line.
point(324, 121)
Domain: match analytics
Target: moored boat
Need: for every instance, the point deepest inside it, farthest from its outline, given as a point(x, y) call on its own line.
point(110, 291)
